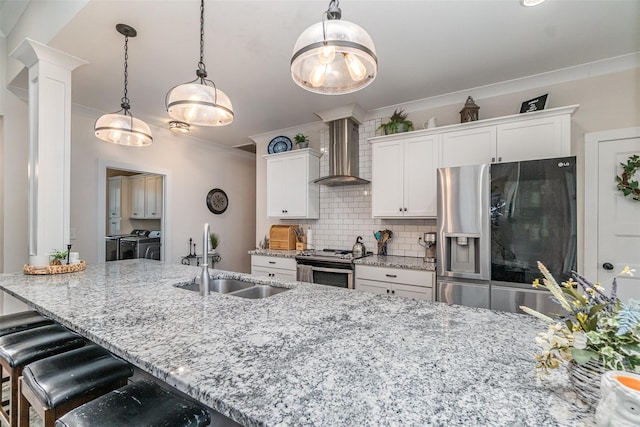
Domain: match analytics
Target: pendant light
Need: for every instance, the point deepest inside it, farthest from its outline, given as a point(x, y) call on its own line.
point(334, 57)
point(196, 102)
point(124, 129)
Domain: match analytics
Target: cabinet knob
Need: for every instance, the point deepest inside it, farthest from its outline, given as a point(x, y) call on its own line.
point(391, 275)
point(499, 159)
point(393, 291)
point(387, 290)
point(400, 209)
point(493, 160)
point(607, 266)
point(405, 209)
point(272, 262)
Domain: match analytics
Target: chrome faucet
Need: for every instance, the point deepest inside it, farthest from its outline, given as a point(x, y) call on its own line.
point(204, 276)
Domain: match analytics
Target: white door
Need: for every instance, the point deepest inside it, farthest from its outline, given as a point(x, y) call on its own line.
point(297, 185)
point(618, 217)
point(276, 187)
point(469, 147)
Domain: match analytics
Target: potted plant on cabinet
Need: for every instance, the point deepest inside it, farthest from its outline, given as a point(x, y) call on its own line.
point(397, 123)
point(301, 140)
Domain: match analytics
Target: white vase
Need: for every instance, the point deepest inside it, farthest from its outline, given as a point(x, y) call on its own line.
point(620, 403)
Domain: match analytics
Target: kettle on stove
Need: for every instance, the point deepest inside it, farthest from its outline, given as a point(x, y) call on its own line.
point(358, 249)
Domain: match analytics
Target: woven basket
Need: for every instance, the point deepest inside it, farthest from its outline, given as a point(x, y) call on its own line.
point(54, 269)
point(585, 380)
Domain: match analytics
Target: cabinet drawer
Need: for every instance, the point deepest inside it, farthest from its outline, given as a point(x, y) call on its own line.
point(395, 275)
point(273, 262)
point(274, 273)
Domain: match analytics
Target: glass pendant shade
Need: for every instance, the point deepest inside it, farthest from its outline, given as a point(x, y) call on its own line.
point(199, 104)
point(123, 129)
point(341, 59)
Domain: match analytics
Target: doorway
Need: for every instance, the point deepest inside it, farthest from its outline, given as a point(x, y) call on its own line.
point(133, 198)
point(612, 228)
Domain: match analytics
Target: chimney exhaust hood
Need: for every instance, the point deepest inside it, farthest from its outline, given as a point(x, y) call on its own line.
point(344, 150)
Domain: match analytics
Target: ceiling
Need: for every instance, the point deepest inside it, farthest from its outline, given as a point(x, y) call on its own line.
point(425, 48)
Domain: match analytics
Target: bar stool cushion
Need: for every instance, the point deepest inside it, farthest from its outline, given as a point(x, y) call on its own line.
point(23, 347)
point(138, 404)
point(16, 322)
point(67, 376)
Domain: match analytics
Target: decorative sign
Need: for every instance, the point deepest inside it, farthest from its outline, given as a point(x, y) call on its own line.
point(534, 104)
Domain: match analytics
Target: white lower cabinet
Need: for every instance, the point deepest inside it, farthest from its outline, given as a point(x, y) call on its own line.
point(274, 267)
point(417, 284)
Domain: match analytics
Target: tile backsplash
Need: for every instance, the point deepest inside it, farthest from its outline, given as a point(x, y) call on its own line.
point(345, 211)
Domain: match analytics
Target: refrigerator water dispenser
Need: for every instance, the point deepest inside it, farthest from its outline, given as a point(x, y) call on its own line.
point(463, 254)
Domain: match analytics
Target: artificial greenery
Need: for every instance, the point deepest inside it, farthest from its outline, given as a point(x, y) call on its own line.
point(300, 138)
point(398, 118)
point(215, 240)
point(594, 326)
point(57, 256)
point(625, 182)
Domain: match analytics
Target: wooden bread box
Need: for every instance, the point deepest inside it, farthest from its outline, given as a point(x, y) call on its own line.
point(282, 237)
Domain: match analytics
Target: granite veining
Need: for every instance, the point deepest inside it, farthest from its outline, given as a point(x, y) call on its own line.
point(277, 253)
point(393, 261)
point(314, 355)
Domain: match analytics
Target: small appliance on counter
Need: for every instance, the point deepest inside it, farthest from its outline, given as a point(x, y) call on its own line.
point(429, 245)
point(282, 237)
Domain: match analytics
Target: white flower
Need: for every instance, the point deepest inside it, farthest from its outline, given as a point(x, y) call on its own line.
point(580, 340)
point(627, 271)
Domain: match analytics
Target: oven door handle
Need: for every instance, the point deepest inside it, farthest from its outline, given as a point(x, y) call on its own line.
point(332, 270)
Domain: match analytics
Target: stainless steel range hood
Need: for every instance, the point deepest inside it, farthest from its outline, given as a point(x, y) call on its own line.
point(344, 154)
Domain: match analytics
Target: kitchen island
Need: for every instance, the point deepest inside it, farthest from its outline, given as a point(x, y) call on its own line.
point(313, 355)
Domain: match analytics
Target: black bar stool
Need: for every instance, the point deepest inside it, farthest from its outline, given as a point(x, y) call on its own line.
point(60, 383)
point(16, 322)
point(138, 404)
point(21, 348)
point(21, 321)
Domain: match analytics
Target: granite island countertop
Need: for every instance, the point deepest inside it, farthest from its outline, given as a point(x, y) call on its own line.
point(314, 355)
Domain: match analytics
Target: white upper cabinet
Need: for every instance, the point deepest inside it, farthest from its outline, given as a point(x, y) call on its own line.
point(118, 193)
point(153, 196)
point(290, 190)
point(404, 176)
point(136, 188)
point(539, 135)
point(146, 196)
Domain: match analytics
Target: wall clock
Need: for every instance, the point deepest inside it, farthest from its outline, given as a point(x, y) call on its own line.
point(217, 201)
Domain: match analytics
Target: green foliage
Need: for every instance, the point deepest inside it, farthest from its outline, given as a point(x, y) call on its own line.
point(58, 255)
point(215, 240)
point(626, 184)
point(628, 317)
point(299, 138)
point(399, 117)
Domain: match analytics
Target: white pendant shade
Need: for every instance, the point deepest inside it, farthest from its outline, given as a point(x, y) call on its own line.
point(199, 104)
point(123, 129)
point(343, 61)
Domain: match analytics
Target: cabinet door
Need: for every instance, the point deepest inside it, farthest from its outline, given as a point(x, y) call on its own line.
point(415, 292)
point(153, 196)
point(137, 197)
point(532, 139)
point(115, 195)
point(387, 176)
point(295, 187)
point(379, 288)
point(420, 174)
point(469, 147)
point(273, 273)
point(114, 226)
point(276, 187)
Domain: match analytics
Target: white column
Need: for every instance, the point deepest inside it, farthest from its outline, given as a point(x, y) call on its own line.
point(49, 144)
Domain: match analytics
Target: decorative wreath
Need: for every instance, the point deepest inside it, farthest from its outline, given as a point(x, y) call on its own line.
point(628, 186)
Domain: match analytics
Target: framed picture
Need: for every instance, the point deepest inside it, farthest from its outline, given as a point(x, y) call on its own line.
point(534, 104)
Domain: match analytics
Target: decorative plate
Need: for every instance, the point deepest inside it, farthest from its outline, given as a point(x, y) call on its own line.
point(217, 201)
point(279, 144)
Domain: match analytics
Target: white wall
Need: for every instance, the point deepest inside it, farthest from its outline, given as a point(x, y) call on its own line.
point(195, 167)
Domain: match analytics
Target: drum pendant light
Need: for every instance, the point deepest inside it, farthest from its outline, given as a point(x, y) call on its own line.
point(123, 128)
point(195, 102)
point(334, 57)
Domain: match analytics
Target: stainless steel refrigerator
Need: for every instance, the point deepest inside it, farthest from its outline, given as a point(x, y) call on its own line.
point(495, 222)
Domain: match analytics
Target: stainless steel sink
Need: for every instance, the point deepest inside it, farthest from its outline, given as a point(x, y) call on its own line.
point(259, 291)
point(234, 287)
point(223, 286)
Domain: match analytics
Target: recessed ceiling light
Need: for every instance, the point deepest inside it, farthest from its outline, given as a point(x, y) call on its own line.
point(530, 3)
point(179, 127)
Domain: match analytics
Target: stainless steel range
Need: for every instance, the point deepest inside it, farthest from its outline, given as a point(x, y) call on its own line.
point(333, 267)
